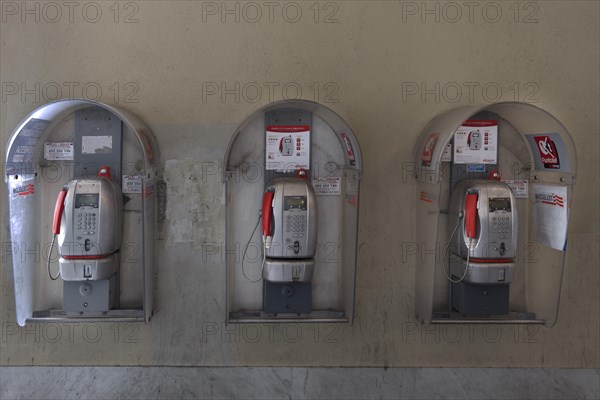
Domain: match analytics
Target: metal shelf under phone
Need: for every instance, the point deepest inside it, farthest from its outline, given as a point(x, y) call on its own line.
point(510, 318)
point(259, 316)
point(109, 316)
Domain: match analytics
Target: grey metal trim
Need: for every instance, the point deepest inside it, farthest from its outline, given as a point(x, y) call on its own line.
point(110, 316)
point(263, 317)
point(511, 318)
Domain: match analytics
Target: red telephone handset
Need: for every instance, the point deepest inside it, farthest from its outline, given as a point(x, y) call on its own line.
point(471, 215)
point(267, 214)
point(58, 211)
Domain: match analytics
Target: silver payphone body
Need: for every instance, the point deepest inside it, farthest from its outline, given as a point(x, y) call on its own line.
point(484, 223)
point(293, 226)
point(88, 221)
point(289, 215)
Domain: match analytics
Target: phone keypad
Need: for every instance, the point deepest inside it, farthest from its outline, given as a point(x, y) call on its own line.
point(86, 221)
point(501, 226)
point(295, 224)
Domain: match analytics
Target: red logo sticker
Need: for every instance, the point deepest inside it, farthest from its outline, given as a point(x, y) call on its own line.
point(427, 197)
point(24, 190)
point(556, 201)
point(148, 191)
point(551, 199)
point(548, 152)
point(427, 154)
point(349, 149)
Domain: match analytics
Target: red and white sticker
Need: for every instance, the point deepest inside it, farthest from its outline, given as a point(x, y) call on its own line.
point(427, 197)
point(148, 191)
point(58, 150)
point(132, 183)
point(327, 186)
point(23, 190)
point(349, 149)
point(476, 142)
point(427, 153)
point(550, 215)
point(548, 152)
point(352, 200)
point(287, 148)
point(551, 199)
point(520, 187)
point(288, 128)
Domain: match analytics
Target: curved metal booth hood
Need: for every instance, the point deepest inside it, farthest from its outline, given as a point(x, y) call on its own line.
point(25, 167)
point(537, 285)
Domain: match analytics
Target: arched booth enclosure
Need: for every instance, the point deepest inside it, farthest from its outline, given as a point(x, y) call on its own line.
point(497, 178)
point(292, 174)
point(102, 163)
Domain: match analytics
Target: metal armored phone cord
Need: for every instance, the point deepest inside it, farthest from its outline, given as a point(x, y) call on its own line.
point(246, 249)
point(460, 216)
point(49, 257)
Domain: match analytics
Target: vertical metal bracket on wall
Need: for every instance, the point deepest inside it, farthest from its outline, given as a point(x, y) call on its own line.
point(161, 201)
point(97, 143)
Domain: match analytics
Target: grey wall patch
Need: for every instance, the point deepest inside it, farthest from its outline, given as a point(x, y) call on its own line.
point(196, 204)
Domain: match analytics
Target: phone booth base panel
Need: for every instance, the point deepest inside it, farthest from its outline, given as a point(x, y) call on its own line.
point(90, 296)
point(287, 297)
point(483, 273)
point(89, 270)
point(288, 270)
point(468, 298)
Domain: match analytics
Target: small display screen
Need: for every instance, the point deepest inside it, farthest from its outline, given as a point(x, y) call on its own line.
point(86, 200)
point(499, 203)
point(294, 202)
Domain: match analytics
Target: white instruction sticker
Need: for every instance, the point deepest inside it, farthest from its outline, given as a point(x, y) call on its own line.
point(447, 153)
point(132, 183)
point(288, 148)
point(328, 186)
point(96, 144)
point(476, 142)
point(550, 215)
point(520, 188)
point(58, 150)
point(352, 186)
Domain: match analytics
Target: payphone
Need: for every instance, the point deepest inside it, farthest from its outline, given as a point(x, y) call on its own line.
point(289, 232)
point(88, 219)
point(484, 213)
point(489, 219)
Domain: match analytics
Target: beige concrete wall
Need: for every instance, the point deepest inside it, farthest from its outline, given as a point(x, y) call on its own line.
point(360, 58)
